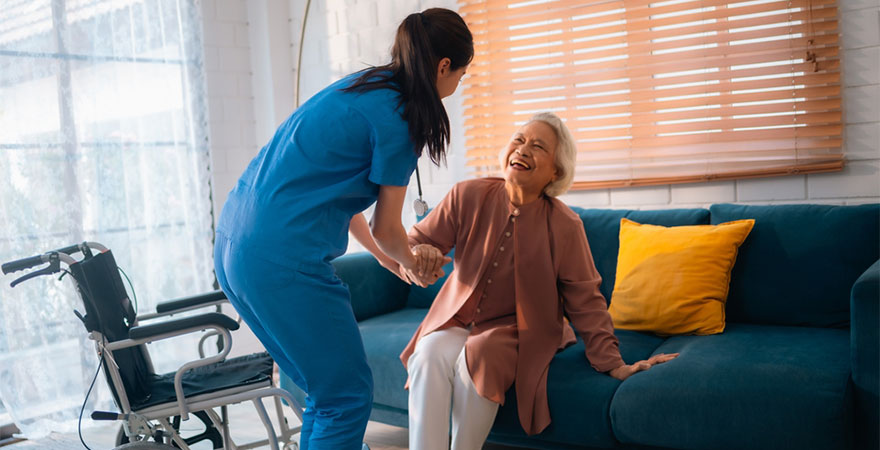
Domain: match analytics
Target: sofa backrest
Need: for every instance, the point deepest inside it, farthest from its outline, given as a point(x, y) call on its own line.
point(603, 233)
point(800, 262)
point(796, 267)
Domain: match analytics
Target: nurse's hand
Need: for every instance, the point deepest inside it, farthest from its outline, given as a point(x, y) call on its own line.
point(423, 281)
point(429, 260)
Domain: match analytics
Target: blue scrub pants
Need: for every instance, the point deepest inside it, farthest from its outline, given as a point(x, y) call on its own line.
point(306, 323)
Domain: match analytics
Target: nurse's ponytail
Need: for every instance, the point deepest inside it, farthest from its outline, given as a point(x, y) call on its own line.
point(422, 40)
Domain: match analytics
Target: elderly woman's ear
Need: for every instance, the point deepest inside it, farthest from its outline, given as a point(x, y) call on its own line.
point(566, 154)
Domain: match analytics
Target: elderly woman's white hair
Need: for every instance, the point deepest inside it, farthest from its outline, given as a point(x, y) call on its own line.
point(566, 153)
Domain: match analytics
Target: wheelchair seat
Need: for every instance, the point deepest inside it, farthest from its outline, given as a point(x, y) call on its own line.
point(248, 370)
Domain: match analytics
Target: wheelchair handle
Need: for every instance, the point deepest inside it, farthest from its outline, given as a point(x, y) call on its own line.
point(22, 264)
point(27, 263)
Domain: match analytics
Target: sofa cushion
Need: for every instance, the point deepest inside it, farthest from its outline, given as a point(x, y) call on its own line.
point(800, 261)
point(751, 387)
point(384, 338)
point(603, 228)
point(579, 396)
point(674, 280)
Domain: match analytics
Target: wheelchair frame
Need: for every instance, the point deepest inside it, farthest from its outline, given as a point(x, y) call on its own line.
point(153, 421)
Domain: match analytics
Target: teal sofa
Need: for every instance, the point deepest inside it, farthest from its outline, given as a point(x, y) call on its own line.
point(796, 367)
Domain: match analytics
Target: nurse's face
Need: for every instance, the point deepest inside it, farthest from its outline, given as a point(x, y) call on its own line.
point(448, 79)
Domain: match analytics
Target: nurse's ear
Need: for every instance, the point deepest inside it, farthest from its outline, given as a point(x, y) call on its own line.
point(444, 67)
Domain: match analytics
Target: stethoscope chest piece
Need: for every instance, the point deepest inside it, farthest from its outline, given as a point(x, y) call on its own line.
point(419, 205)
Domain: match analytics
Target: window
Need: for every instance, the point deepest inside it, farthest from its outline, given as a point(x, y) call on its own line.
point(103, 137)
point(659, 92)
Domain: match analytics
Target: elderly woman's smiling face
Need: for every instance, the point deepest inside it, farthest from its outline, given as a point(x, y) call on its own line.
point(530, 158)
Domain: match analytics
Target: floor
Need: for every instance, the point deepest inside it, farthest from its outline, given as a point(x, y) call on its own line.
point(246, 427)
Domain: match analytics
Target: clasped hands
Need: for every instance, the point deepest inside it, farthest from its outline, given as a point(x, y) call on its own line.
point(426, 270)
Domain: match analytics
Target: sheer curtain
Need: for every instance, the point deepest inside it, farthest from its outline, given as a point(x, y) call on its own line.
point(103, 137)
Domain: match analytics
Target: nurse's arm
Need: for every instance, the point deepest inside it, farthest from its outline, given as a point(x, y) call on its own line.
point(361, 232)
point(389, 233)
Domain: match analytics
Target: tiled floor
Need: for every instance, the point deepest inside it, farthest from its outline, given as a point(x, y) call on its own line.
point(245, 427)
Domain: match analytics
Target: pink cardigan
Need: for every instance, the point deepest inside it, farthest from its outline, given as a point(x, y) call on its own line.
point(554, 274)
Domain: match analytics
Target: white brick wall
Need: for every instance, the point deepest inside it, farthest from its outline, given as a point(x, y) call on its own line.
point(230, 97)
point(231, 115)
point(347, 35)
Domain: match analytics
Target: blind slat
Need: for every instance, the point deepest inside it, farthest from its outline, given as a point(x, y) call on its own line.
point(660, 91)
point(647, 88)
point(648, 68)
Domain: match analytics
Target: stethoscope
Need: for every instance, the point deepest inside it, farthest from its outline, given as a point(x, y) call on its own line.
point(419, 205)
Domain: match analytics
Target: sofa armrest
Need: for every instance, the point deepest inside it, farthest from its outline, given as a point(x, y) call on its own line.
point(865, 355)
point(374, 290)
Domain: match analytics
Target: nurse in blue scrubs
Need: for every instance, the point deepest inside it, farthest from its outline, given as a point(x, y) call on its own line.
point(352, 144)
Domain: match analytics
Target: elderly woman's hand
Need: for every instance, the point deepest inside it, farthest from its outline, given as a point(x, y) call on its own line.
point(623, 372)
point(429, 265)
point(430, 260)
point(423, 281)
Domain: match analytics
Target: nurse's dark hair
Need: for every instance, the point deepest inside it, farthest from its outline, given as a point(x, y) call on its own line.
point(423, 39)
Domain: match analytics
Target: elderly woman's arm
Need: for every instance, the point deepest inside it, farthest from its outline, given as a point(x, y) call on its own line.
point(583, 302)
point(586, 308)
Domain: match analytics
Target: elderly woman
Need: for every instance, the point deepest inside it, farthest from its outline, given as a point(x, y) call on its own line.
point(522, 263)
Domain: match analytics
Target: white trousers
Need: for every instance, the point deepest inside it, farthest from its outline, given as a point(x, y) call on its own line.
point(438, 380)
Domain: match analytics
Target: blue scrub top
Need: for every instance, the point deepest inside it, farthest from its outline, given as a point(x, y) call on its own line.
point(325, 164)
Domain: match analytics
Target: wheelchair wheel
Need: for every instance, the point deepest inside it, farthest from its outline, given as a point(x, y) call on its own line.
point(291, 446)
point(122, 440)
point(210, 433)
point(144, 446)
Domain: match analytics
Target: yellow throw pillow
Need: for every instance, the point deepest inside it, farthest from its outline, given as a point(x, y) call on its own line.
point(674, 280)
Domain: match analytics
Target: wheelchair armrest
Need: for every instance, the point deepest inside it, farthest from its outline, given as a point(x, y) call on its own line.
point(169, 326)
point(194, 301)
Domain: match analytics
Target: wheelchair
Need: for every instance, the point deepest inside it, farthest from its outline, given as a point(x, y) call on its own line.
point(153, 405)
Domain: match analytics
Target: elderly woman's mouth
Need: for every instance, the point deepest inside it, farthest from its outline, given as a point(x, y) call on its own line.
point(519, 164)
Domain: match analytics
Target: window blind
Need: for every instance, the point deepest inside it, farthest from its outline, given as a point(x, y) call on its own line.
point(660, 92)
